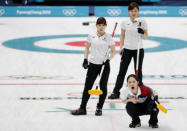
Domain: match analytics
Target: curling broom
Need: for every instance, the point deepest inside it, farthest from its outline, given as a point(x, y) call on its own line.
point(159, 106)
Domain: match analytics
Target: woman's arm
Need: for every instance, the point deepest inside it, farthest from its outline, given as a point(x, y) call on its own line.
point(122, 39)
point(125, 101)
point(86, 51)
point(133, 100)
point(113, 49)
point(145, 35)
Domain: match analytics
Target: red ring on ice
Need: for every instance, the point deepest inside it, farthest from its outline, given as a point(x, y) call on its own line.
point(2, 24)
point(82, 43)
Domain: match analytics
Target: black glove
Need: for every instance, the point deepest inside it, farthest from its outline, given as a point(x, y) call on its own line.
point(85, 64)
point(155, 98)
point(140, 30)
point(107, 62)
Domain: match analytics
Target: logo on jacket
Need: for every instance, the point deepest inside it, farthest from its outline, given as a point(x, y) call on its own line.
point(104, 39)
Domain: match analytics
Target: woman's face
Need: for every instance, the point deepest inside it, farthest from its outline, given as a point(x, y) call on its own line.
point(132, 84)
point(134, 13)
point(101, 28)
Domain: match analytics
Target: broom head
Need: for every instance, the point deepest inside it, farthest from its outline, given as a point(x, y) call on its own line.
point(163, 109)
point(95, 92)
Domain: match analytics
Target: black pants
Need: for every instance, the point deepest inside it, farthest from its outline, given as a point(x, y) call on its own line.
point(147, 108)
point(125, 61)
point(91, 76)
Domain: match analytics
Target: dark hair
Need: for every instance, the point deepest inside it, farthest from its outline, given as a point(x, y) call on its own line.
point(101, 20)
point(133, 5)
point(134, 76)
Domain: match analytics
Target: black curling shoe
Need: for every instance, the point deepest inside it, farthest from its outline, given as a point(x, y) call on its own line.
point(134, 124)
point(114, 96)
point(153, 125)
point(79, 112)
point(98, 112)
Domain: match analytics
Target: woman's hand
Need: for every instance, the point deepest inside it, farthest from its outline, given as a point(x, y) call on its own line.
point(134, 100)
point(121, 51)
point(155, 93)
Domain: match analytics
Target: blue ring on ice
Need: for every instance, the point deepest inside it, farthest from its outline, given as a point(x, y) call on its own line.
point(27, 44)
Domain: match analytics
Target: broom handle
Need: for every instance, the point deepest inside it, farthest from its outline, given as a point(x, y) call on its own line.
point(100, 75)
point(137, 60)
point(114, 29)
point(156, 99)
point(138, 52)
